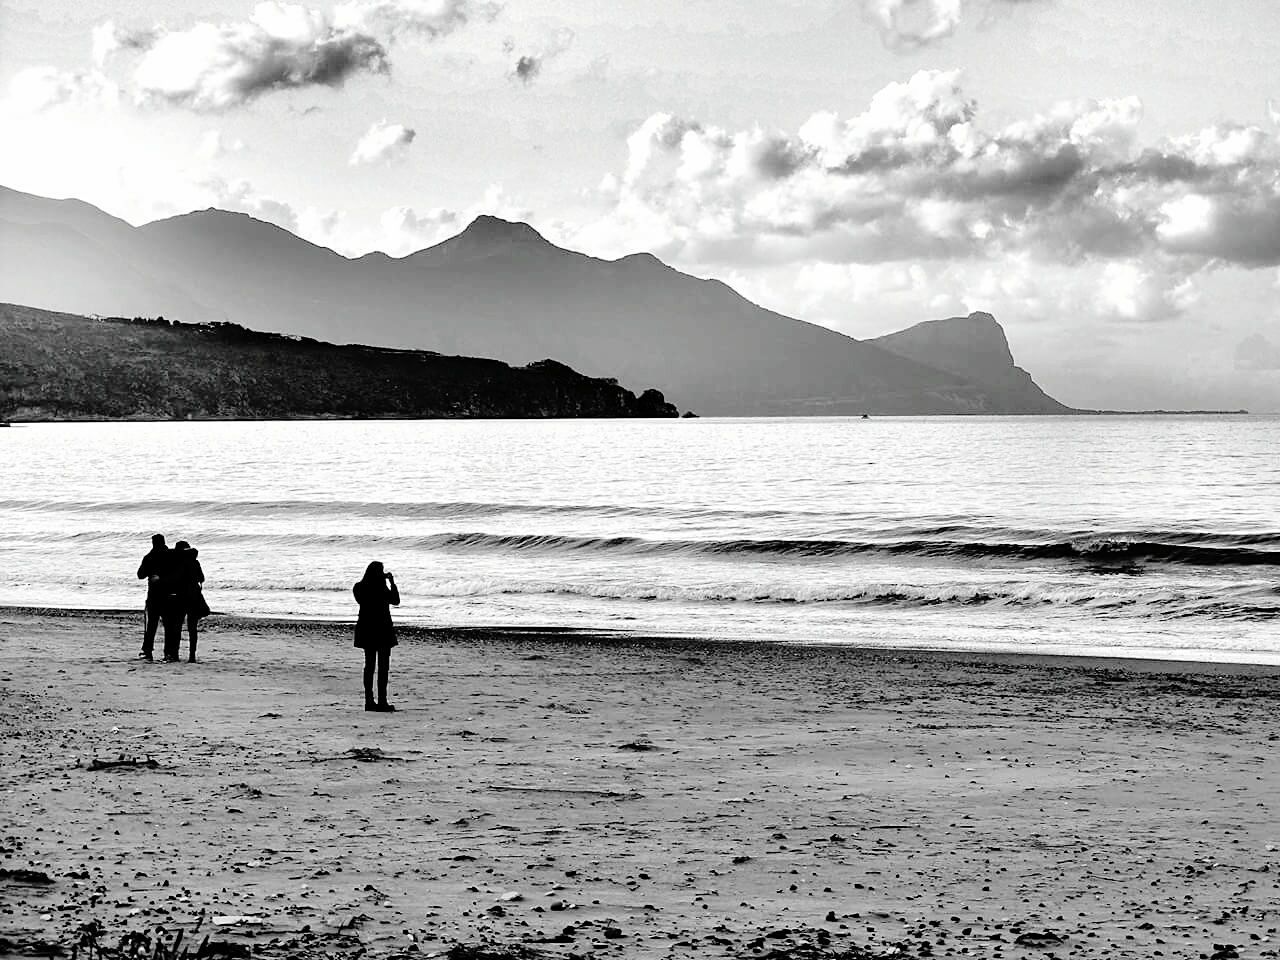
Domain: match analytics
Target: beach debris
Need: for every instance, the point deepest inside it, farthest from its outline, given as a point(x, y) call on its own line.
point(362, 755)
point(23, 875)
point(124, 763)
point(229, 920)
point(637, 746)
point(571, 791)
point(492, 951)
point(1045, 939)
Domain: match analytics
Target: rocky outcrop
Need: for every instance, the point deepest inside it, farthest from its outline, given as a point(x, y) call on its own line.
point(56, 366)
point(975, 348)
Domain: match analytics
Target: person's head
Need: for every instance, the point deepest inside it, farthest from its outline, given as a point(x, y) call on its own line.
point(182, 545)
point(157, 540)
point(373, 572)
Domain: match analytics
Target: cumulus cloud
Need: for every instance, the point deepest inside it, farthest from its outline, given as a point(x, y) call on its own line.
point(382, 142)
point(918, 175)
point(914, 23)
point(281, 46)
point(911, 24)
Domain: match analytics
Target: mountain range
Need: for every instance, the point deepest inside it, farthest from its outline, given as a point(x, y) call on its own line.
point(499, 289)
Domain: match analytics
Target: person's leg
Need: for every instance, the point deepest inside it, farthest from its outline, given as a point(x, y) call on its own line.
point(193, 622)
point(171, 616)
point(152, 616)
point(384, 667)
point(370, 657)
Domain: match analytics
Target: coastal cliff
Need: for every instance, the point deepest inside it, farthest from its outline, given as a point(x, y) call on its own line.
point(58, 366)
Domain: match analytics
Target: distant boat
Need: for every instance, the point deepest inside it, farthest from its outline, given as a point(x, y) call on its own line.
point(866, 416)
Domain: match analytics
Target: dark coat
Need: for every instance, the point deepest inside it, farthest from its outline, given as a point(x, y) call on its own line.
point(188, 576)
point(374, 629)
point(159, 562)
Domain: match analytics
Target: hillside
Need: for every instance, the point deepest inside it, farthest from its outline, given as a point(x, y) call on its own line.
point(57, 366)
point(498, 289)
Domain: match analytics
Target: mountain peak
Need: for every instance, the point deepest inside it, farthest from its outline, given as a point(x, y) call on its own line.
point(485, 236)
point(490, 229)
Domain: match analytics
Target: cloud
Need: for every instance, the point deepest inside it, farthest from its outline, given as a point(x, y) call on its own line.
point(382, 142)
point(912, 24)
point(213, 144)
point(528, 65)
point(240, 196)
point(37, 89)
point(1257, 352)
point(281, 46)
point(405, 230)
point(1133, 291)
point(527, 68)
point(918, 175)
point(425, 18)
point(108, 40)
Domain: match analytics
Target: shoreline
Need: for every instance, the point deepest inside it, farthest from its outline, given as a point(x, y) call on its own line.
point(1269, 662)
point(662, 799)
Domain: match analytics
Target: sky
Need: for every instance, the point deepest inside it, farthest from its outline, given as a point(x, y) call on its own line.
point(1101, 175)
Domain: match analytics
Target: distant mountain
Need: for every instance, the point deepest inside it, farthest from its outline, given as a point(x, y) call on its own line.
point(57, 366)
point(498, 289)
point(973, 347)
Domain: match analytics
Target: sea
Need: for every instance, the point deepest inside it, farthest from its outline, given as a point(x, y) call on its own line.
point(1131, 536)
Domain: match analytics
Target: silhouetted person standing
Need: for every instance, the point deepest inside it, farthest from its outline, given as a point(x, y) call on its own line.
point(156, 569)
point(375, 633)
point(189, 576)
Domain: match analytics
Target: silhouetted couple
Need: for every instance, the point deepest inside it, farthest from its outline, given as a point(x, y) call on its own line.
point(375, 633)
point(174, 595)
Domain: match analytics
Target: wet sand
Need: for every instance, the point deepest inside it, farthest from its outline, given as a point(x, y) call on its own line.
point(633, 799)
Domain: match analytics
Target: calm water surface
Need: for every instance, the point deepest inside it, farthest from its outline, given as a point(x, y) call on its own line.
point(1143, 536)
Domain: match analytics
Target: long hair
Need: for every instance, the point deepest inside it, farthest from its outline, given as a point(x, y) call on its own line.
point(373, 575)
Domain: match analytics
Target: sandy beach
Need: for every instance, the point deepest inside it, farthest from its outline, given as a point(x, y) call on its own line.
point(609, 797)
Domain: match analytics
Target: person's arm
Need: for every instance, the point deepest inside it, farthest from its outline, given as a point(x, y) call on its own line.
point(199, 573)
point(393, 592)
point(142, 567)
